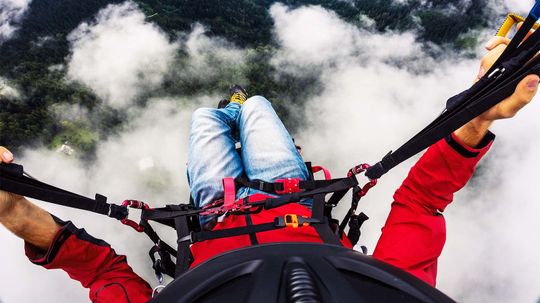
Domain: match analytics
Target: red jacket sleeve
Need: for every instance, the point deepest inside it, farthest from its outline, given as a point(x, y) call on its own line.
point(415, 231)
point(93, 263)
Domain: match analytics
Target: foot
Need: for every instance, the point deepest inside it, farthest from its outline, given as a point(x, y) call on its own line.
point(238, 94)
point(223, 102)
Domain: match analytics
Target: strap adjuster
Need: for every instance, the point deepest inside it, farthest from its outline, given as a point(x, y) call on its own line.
point(294, 221)
point(290, 185)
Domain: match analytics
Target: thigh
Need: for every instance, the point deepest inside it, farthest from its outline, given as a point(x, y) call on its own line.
point(268, 152)
point(212, 155)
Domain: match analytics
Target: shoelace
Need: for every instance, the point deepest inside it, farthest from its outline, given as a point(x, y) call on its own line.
point(238, 97)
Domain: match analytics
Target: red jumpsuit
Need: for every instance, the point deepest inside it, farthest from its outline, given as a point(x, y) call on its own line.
point(412, 238)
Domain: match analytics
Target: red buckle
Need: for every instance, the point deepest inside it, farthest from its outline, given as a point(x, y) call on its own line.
point(290, 185)
point(132, 224)
point(134, 204)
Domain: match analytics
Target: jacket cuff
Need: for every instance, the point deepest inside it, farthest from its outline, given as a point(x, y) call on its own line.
point(467, 151)
point(41, 257)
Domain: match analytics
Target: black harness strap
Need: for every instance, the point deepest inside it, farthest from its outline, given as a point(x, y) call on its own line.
point(183, 254)
point(164, 214)
point(324, 230)
point(12, 179)
point(232, 232)
point(516, 62)
point(343, 184)
point(276, 187)
point(249, 222)
point(164, 263)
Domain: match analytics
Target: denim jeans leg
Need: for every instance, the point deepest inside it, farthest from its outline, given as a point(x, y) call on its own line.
point(212, 155)
point(268, 152)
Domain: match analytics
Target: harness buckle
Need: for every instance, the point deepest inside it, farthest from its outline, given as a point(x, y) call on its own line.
point(135, 204)
point(290, 185)
point(291, 220)
point(138, 205)
point(294, 221)
point(133, 225)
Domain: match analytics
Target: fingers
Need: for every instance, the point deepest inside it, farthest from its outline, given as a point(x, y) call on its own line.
point(523, 95)
point(496, 47)
point(5, 155)
point(496, 41)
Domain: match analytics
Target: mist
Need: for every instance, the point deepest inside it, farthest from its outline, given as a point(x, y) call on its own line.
point(378, 89)
point(120, 54)
point(11, 12)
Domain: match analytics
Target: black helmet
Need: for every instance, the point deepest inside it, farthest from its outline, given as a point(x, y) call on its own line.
point(297, 272)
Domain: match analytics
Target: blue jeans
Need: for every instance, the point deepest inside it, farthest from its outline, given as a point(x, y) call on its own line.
point(268, 152)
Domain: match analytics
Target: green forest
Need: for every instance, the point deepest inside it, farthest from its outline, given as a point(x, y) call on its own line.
point(26, 64)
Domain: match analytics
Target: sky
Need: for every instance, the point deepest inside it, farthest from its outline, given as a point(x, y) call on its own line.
point(367, 106)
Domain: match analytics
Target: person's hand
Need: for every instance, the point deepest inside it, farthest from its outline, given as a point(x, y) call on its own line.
point(474, 131)
point(525, 90)
point(7, 200)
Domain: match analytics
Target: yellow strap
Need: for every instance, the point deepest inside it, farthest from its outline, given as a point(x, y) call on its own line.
point(510, 21)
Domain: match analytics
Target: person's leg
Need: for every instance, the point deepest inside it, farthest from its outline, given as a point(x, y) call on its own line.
point(268, 152)
point(212, 155)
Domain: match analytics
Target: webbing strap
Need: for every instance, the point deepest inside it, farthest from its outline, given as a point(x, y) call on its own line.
point(13, 180)
point(229, 191)
point(249, 222)
point(326, 172)
point(324, 230)
point(232, 232)
point(183, 252)
point(337, 186)
point(273, 187)
point(164, 264)
point(499, 83)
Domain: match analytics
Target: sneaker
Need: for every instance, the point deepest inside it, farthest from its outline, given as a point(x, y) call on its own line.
point(238, 94)
point(223, 102)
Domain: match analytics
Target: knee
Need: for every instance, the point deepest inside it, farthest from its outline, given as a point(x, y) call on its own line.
point(255, 103)
point(202, 114)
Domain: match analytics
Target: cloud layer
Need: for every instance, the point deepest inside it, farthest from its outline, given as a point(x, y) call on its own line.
point(11, 12)
point(120, 54)
point(378, 90)
point(7, 90)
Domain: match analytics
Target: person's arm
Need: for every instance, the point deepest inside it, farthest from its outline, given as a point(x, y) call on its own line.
point(415, 232)
point(24, 219)
point(55, 244)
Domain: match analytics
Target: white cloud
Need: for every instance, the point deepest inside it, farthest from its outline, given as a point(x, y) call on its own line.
point(519, 6)
point(11, 12)
point(312, 35)
point(7, 90)
point(120, 55)
point(157, 134)
point(373, 100)
point(209, 59)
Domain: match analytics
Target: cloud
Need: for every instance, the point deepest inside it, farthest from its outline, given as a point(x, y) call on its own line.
point(147, 162)
point(7, 90)
point(120, 54)
point(519, 6)
point(313, 35)
point(379, 90)
point(208, 59)
point(11, 12)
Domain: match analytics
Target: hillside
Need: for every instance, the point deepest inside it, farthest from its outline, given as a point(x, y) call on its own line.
point(33, 59)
